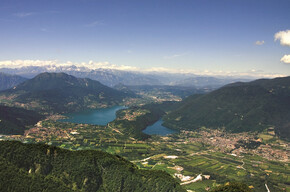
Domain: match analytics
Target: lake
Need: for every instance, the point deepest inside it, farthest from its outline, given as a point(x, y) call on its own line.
point(93, 116)
point(158, 129)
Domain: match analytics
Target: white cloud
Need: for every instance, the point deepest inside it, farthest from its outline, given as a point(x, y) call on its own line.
point(43, 29)
point(51, 65)
point(25, 63)
point(174, 56)
point(24, 14)
point(94, 23)
point(285, 59)
point(259, 42)
point(284, 37)
point(107, 65)
point(54, 63)
point(163, 69)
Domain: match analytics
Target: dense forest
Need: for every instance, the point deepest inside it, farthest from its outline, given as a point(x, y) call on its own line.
point(14, 120)
point(39, 167)
point(238, 107)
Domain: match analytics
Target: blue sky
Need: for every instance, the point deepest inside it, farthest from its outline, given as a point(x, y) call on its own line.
point(194, 35)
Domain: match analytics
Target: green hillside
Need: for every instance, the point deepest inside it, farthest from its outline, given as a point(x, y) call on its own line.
point(238, 107)
point(14, 120)
point(39, 167)
point(59, 92)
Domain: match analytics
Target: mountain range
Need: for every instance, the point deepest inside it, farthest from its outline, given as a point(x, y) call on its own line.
point(59, 92)
point(8, 81)
point(237, 107)
point(112, 77)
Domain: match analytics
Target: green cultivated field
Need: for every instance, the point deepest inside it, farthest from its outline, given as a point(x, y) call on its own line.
point(193, 158)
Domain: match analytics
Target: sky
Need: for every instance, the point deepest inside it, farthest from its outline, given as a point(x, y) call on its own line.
point(201, 36)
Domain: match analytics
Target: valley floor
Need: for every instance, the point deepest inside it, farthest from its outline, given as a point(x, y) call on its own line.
point(199, 160)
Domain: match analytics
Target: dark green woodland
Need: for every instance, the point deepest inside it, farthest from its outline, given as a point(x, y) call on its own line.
point(39, 167)
point(14, 120)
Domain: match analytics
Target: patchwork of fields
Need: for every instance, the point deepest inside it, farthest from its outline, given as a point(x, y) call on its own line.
point(182, 157)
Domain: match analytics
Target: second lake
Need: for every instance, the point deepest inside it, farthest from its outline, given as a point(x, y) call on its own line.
point(158, 129)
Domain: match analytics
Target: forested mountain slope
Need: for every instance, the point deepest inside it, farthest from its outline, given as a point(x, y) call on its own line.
point(238, 107)
point(39, 167)
point(14, 120)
